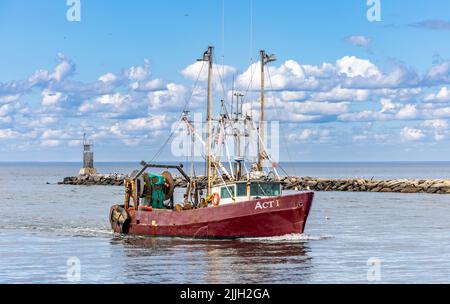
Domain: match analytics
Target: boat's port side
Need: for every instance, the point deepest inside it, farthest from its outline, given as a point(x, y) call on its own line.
point(266, 217)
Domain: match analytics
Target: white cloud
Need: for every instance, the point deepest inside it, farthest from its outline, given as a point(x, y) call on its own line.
point(50, 143)
point(317, 108)
point(154, 123)
point(349, 72)
point(361, 41)
point(442, 96)
point(296, 117)
point(108, 104)
point(38, 77)
point(436, 124)
point(9, 98)
point(366, 115)
point(395, 111)
point(5, 110)
point(113, 99)
point(35, 120)
point(363, 74)
point(50, 98)
point(431, 113)
point(54, 134)
point(108, 78)
point(138, 73)
point(46, 121)
point(86, 107)
point(288, 76)
point(325, 70)
point(340, 94)
point(438, 127)
point(8, 134)
point(409, 111)
point(193, 71)
point(311, 135)
point(369, 136)
point(438, 136)
point(75, 143)
point(62, 70)
point(293, 95)
point(438, 74)
point(410, 134)
point(134, 131)
point(306, 134)
point(360, 137)
point(352, 66)
point(150, 85)
point(387, 105)
point(5, 120)
point(173, 97)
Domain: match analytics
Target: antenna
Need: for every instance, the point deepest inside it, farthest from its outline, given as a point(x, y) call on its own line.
point(223, 37)
point(232, 97)
point(239, 103)
point(251, 31)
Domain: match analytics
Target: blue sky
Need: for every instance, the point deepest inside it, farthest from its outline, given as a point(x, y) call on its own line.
point(348, 89)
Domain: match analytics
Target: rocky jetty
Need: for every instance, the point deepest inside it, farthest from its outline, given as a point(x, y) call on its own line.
point(298, 183)
point(95, 180)
point(363, 185)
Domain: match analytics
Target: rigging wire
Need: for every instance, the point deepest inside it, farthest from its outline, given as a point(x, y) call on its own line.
point(225, 96)
point(227, 151)
point(254, 65)
point(282, 136)
point(186, 105)
point(251, 31)
point(217, 162)
point(223, 36)
point(261, 142)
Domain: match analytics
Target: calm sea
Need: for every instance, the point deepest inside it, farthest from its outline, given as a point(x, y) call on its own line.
point(48, 232)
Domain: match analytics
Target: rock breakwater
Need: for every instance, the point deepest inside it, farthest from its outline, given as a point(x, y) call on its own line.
point(364, 185)
point(437, 186)
point(95, 180)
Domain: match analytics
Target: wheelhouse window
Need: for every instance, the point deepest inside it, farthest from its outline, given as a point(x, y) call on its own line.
point(227, 191)
point(241, 189)
point(265, 189)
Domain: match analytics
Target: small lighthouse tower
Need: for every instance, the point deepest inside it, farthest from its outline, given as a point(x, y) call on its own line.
point(88, 157)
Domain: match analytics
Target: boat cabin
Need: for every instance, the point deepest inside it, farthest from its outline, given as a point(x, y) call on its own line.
point(236, 192)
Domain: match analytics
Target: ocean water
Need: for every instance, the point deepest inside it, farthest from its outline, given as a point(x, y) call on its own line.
point(51, 233)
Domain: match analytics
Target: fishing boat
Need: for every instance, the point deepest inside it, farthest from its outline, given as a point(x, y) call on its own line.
point(226, 203)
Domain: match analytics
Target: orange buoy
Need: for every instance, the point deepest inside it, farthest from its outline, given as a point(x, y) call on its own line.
point(216, 199)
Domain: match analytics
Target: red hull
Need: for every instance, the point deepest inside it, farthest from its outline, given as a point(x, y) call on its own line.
point(257, 218)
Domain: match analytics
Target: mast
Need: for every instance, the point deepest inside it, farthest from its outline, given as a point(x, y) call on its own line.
point(208, 56)
point(261, 120)
point(265, 59)
point(237, 134)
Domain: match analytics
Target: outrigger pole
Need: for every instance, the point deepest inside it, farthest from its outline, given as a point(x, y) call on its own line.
point(208, 56)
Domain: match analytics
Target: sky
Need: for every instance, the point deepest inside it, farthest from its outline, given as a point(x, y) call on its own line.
point(343, 88)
